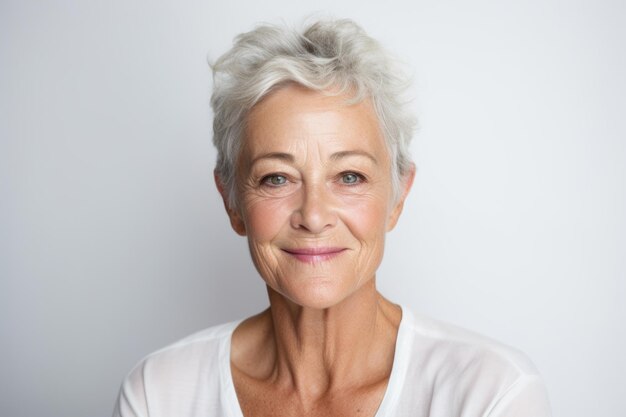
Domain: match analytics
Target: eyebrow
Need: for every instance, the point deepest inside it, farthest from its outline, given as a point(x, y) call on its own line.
point(287, 157)
point(345, 154)
point(275, 155)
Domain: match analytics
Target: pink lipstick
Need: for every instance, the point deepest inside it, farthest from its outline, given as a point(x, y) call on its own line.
point(313, 255)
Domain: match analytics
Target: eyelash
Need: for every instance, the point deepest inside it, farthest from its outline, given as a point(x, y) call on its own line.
point(360, 179)
point(266, 180)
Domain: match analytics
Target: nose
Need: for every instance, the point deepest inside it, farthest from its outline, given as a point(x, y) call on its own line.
point(316, 211)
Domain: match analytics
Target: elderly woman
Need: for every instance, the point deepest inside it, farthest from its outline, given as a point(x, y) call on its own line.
point(313, 168)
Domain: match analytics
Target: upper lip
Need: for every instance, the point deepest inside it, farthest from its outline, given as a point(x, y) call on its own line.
point(313, 251)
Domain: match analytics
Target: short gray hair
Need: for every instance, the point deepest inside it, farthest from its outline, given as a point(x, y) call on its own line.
point(330, 56)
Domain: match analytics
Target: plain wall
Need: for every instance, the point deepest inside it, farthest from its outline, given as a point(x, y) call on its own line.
point(113, 240)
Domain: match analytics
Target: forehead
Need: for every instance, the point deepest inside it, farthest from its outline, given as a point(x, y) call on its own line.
point(294, 116)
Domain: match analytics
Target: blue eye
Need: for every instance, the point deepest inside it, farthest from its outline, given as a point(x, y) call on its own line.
point(350, 178)
point(275, 180)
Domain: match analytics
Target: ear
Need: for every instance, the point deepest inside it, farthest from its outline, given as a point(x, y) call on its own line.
point(236, 221)
point(407, 182)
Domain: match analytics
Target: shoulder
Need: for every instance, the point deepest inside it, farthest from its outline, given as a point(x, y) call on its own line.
point(196, 351)
point(171, 375)
point(199, 340)
point(463, 369)
point(460, 346)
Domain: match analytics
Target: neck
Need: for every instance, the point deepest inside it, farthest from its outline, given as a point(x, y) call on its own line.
point(316, 351)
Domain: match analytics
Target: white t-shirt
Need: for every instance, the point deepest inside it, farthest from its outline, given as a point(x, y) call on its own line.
point(439, 370)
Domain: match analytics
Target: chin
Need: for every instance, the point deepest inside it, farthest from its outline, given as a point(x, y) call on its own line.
point(320, 295)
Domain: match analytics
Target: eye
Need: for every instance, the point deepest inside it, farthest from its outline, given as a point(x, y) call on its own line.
point(274, 180)
point(351, 178)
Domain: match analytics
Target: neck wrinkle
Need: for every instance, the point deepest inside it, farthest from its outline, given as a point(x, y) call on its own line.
point(317, 351)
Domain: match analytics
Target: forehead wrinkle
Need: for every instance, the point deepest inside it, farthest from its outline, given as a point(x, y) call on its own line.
point(323, 121)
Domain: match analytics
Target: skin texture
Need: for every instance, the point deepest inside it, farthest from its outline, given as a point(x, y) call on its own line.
point(315, 202)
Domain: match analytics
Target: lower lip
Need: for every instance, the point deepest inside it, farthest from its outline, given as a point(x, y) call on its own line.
point(315, 257)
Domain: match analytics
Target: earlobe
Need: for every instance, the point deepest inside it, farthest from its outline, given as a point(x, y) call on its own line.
point(236, 222)
point(407, 183)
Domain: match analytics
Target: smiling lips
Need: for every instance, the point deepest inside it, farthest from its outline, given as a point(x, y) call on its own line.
point(312, 255)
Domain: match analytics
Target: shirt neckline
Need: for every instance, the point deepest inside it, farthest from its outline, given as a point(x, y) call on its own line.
point(230, 402)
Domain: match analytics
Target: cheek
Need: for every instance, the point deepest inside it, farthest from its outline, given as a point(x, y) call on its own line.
point(366, 217)
point(367, 224)
point(265, 218)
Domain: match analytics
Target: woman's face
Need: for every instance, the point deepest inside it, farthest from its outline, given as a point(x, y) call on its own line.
point(315, 195)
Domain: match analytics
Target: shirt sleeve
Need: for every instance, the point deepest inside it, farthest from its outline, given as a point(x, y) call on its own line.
point(527, 397)
point(131, 401)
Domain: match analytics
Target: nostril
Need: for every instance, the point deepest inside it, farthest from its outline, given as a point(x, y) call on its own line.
point(314, 215)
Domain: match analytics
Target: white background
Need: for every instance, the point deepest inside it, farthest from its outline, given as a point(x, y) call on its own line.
point(113, 241)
